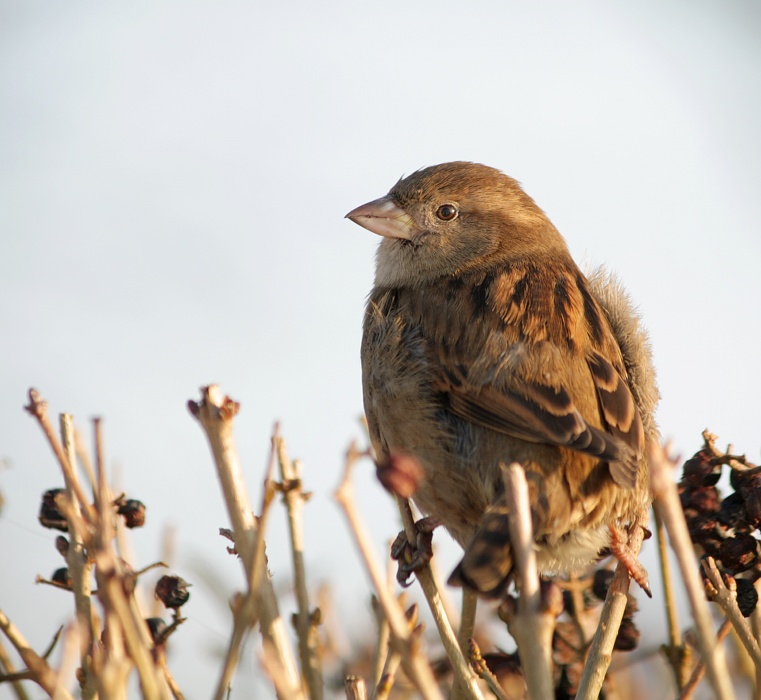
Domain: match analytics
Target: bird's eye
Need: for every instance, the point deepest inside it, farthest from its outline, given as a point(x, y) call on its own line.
point(447, 212)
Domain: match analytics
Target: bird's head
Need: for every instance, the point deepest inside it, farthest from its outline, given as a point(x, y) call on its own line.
point(454, 218)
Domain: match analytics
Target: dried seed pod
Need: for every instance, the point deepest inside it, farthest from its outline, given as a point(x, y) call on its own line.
point(133, 512)
point(62, 546)
point(747, 596)
point(703, 500)
point(172, 591)
point(732, 513)
point(601, 582)
point(51, 515)
point(62, 576)
point(699, 470)
point(744, 477)
point(400, 474)
point(701, 528)
point(739, 553)
point(628, 636)
point(156, 627)
point(751, 496)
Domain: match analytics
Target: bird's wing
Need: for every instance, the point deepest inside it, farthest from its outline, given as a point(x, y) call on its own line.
point(537, 412)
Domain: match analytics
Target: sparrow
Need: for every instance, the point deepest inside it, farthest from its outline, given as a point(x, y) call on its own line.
point(484, 344)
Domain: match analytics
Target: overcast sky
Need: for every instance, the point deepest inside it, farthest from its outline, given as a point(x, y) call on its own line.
point(173, 181)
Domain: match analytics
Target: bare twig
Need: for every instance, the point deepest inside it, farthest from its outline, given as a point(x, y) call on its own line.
point(39, 409)
point(677, 652)
point(464, 676)
point(415, 666)
point(727, 600)
point(529, 627)
point(38, 668)
point(669, 508)
point(294, 497)
point(355, 688)
point(80, 568)
point(215, 413)
point(482, 670)
point(700, 669)
point(467, 618)
point(9, 674)
point(381, 643)
point(601, 649)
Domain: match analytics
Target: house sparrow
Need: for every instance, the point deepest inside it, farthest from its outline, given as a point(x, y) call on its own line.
point(484, 344)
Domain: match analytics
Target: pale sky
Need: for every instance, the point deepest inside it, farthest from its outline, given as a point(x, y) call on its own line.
point(173, 181)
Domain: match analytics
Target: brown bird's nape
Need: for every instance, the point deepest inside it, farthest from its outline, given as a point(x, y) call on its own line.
point(483, 345)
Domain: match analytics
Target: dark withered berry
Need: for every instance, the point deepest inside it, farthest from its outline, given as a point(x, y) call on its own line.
point(400, 474)
point(747, 596)
point(62, 576)
point(702, 500)
point(752, 498)
point(628, 636)
point(739, 553)
point(701, 528)
point(744, 477)
point(601, 582)
point(172, 591)
point(133, 512)
point(732, 511)
point(699, 470)
point(50, 514)
point(62, 546)
point(156, 627)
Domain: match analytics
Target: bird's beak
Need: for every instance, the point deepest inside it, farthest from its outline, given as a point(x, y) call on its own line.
point(384, 217)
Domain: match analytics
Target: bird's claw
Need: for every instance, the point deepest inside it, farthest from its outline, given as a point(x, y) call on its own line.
point(621, 551)
point(413, 557)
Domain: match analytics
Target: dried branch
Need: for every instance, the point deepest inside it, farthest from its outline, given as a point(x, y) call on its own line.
point(531, 627)
point(215, 413)
point(80, 568)
point(700, 669)
point(482, 670)
point(8, 674)
point(601, 650)
point(36, 665)
point(39, 409)
point(415, 665)
point(669, 509)
point(355, 688)
point(305, 619)
point(726, 598)
point(678, 653)
point(465, 678)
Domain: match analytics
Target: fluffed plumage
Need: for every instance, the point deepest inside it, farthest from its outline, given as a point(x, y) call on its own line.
point(484, 344)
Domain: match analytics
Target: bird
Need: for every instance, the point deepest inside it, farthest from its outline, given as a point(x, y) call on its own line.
point(484, 344)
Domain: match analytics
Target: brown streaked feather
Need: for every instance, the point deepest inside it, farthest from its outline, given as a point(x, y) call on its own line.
point(620, 415)
point(538, 413)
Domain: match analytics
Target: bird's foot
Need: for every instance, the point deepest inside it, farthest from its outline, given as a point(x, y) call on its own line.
point(413, 556)
point(619, 548)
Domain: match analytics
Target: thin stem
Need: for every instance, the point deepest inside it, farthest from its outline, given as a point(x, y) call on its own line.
point(727, 600)
point(215, 413)
point(415, 665)
point(601, 649)
point(464, 675)
point(532, 634)
point(38, 668)
point(700, 669)
point(294, 497)
point(667, 505)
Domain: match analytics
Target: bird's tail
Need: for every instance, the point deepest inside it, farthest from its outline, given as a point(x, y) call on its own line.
point(487, 564)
